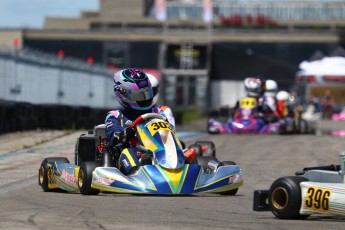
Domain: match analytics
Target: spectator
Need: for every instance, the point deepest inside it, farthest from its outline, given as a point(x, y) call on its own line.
point(328, 104)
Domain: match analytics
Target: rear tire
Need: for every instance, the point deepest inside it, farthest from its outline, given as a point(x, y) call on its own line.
point(85, 178)
point(43, 179)
point(284, 197)
point(198, 149)
point(211, 147)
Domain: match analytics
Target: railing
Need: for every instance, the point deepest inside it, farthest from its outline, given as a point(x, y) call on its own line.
point(278, 10)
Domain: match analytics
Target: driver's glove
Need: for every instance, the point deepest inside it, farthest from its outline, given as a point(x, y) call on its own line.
point(126, 135)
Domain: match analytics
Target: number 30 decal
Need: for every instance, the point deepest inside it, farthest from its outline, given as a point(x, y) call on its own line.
point(317, 199)
point(160, 125)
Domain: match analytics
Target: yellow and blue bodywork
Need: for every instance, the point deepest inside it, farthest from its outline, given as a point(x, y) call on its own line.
point(63, 176)
point(154, 179)
point(149, 179)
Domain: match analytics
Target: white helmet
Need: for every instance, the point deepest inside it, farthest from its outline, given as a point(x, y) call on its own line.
point(155, 88)
point(283, 96)
point(271, 88)
point(253, 86)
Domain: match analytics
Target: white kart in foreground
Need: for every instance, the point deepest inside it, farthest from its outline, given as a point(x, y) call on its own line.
point(315, 190)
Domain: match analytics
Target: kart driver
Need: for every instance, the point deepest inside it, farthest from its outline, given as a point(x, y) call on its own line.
point(253, 87)
point(284, 105)
point(268, 101)
point(133, 90)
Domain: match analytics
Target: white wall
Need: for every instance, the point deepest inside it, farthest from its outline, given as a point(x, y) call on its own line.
point(226, 93)
point(39, 83)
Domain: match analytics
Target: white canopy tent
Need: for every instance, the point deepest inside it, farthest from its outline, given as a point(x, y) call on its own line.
point(327, 66)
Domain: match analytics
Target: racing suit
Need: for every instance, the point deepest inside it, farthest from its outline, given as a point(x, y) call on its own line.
point(116, 122)
point(269, 108)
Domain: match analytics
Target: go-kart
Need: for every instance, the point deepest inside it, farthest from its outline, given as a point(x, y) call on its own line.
point(315, 190)
point(170, 170)
point(339, 116)
point(248, 120)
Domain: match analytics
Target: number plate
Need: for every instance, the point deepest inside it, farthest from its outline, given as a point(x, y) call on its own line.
point(317, 199)
point(158, 126)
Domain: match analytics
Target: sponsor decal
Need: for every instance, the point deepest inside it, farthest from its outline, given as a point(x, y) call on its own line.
point(125, 163)
point(234, 179)
point(104, 181)
point(67, 177)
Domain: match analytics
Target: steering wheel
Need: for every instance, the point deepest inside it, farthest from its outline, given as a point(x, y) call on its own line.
point(147, 116)
point(140, 120)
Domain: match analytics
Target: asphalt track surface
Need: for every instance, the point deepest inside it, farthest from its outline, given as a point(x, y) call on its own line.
point(263, 159)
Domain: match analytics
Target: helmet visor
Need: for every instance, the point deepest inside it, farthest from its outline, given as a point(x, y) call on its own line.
point(146, 103)
point(140, 96)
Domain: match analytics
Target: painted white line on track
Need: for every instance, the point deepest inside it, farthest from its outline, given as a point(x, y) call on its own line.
point(18, 185)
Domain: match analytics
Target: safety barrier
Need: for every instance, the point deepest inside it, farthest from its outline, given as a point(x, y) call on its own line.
point(22, 116)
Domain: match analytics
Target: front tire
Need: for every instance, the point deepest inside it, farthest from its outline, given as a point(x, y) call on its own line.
point(43, 179)
point(285, 197)
point(85, 178)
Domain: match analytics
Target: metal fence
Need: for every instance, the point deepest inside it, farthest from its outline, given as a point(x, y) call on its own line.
point(276, 9)
point(39, 78)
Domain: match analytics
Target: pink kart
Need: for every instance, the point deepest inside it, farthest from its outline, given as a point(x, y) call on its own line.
point(339, 116)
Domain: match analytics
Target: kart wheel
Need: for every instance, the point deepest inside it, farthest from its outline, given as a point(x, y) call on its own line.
point(85, 178)
point(198, 149)
point(43, 172)
point(233, 191)
point(211, 147)
point(284, 197)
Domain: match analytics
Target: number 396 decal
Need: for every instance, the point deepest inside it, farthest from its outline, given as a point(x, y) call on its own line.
point(317, 199)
